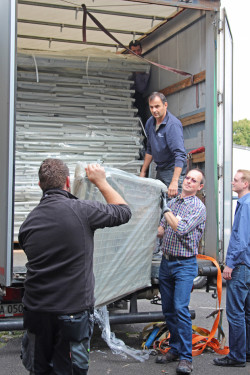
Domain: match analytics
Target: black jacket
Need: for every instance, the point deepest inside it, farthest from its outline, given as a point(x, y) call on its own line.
point(57, 237)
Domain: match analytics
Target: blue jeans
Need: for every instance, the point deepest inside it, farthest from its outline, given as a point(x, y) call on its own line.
point(176, 282)
point(238, 313)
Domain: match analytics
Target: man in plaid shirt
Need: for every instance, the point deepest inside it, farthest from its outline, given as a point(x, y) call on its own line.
point(181, 228)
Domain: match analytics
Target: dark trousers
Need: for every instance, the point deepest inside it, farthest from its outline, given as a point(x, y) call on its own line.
point(141, 105)
point(57, 344)
point(165, 175)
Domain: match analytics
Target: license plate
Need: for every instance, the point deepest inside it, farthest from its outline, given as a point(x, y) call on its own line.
point(15, 309)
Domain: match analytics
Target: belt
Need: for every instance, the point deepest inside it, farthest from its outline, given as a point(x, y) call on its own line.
point(172, 258)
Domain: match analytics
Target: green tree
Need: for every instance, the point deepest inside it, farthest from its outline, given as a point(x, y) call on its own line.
point(241, 132)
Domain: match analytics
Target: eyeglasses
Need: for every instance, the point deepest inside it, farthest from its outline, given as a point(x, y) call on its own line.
point(191, 179)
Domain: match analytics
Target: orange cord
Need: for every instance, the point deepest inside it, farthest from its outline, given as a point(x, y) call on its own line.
point(205, 338)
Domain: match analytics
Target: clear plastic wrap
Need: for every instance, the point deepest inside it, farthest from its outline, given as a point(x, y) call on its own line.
point(116, 345)
point(123, 255)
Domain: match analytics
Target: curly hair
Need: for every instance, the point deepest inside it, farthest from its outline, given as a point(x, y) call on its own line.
point(53, 174)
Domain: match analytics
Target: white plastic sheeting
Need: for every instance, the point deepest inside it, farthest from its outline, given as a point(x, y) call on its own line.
point(123, 255)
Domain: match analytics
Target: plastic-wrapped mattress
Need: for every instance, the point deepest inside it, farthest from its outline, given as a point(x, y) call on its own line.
point(123, 255)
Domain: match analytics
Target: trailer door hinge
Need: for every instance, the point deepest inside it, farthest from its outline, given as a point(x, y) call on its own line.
point(219, 171)
point(219, 98)
point(220, 245)
point(220, 26)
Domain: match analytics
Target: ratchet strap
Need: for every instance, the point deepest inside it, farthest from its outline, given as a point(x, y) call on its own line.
point(101, 27)
point(204, 338)
point(158, 337)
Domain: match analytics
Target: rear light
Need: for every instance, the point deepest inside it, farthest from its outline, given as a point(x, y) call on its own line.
point(13, 294)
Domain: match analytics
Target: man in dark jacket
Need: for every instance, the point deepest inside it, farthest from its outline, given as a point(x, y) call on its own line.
point(141, 80)
point(165, 145)
point(57, 237)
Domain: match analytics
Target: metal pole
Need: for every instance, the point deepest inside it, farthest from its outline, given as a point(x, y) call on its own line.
point(93, 10)
point(143, 317)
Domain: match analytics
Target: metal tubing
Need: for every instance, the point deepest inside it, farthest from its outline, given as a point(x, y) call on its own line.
point(143, 317)
point(208, 271)
point(15, 324)
point(92, 10)
point(48, 39)
point(79, 27)
point(197, 4)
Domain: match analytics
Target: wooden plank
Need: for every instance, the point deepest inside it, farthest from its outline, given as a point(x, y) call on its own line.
point(198, 158)
point(194, 119)
point(197, 78)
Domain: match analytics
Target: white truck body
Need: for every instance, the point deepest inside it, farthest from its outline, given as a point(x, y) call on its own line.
point(197, 40)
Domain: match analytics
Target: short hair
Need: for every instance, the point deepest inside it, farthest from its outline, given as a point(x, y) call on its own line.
point(134, 44)
point(203, 179)
point(245, 176)
point(53, 174)
point(157, 95)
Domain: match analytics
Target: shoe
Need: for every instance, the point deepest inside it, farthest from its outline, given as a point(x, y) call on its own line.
point(168, 357)
point(184, 367)
point(227, 362)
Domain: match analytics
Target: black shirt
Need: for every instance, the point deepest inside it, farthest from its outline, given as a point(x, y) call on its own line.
point(57, 237)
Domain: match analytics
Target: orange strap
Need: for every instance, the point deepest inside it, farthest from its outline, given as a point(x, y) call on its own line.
point(200, 342)
point(204, 338)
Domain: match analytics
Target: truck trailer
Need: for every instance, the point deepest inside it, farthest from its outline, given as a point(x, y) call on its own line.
point(42, 46)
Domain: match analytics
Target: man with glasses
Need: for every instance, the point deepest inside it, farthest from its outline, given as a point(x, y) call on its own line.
point(181, 228)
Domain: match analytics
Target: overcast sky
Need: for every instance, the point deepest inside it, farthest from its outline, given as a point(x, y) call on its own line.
point(238, 12)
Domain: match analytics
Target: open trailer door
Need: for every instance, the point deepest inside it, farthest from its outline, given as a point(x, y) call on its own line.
point(225, 113)
point(7, 125)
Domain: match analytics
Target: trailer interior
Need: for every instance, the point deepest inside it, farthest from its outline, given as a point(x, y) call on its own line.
point(45, 41)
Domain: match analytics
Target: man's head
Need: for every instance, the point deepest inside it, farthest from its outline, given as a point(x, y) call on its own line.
point(136, 47)
point(54, 174)
point(241, 182)
point(193, 182)
point(158, 106)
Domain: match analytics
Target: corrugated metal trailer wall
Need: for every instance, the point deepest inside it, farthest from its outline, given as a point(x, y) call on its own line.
point(185, 44)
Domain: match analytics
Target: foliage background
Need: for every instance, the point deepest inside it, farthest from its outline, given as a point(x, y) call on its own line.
point(241, 132)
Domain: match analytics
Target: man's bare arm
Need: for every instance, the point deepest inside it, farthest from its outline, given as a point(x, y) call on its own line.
point(173, 187)
point(96, 174)
point(171, 220)
point(147, 160)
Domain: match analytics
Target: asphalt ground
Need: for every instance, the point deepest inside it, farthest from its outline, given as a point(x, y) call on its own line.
point(103, 361)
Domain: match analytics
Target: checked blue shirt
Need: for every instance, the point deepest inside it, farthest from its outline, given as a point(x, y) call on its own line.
point(191, 213)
